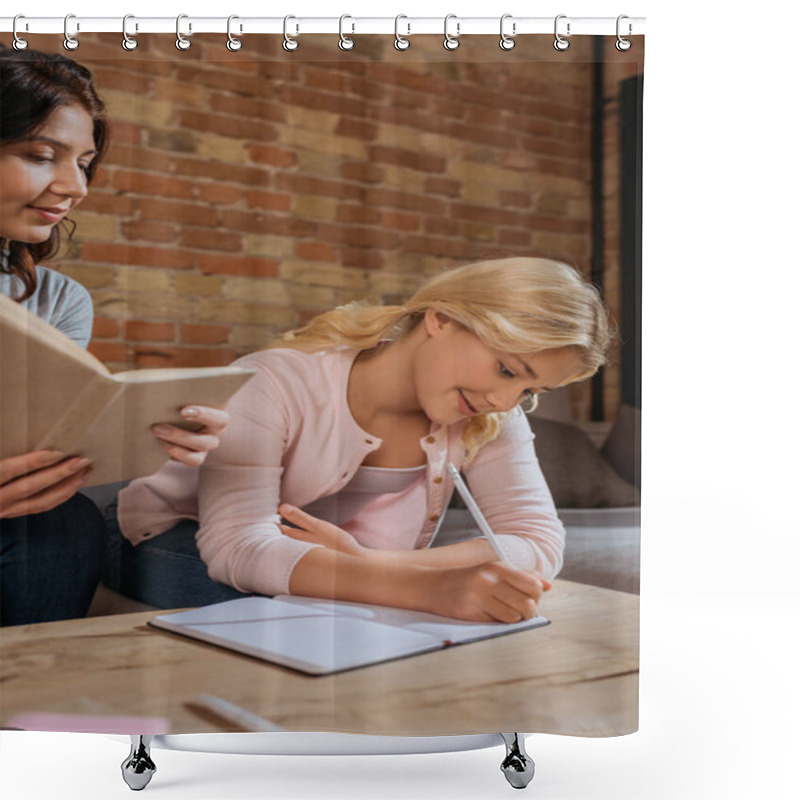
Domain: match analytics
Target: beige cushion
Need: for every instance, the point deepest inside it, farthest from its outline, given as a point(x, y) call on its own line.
point(576, 472)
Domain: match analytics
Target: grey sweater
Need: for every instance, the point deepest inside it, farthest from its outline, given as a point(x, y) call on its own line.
point(58, 299)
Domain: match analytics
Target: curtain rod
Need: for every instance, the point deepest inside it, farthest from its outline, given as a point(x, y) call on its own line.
point(296, 26)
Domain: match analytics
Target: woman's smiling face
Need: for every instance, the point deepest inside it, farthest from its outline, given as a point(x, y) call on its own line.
point(457, 376)
point(44, 176)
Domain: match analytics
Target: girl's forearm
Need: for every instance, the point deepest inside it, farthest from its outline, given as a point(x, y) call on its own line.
point(461, 554)
point(322, 572)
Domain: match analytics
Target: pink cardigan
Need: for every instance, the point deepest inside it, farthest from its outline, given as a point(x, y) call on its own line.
point(292, 439)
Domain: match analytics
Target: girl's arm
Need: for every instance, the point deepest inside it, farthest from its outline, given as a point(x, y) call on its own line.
point(491, 592)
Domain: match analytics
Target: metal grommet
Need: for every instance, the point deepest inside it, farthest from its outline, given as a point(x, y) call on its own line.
point(233, 44)
point(128, 42)
point(345, 42)
point(451, 42)
point(19, 43)
point(507, 42)
point(70, 43)
point(289, 43)
point(400, 42)
point(182, 43)
point(561, 43)
point(623, 44)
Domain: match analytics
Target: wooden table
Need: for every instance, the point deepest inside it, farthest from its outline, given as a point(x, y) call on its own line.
point(576, 676)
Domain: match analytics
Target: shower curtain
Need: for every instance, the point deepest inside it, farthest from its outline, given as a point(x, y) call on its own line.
point(247, 190)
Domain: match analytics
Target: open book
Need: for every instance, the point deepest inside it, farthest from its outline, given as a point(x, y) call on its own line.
point(320, 636)
point(56, 396)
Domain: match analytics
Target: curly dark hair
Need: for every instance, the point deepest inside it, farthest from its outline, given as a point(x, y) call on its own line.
point(33, 85)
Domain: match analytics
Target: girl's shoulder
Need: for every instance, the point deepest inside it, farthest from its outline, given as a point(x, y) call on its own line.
point(291, 367)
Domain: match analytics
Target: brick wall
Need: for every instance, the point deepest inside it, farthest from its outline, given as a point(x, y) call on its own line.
point(244, 193)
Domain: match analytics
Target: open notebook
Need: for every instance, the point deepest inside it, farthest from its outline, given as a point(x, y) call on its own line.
point(320, 637)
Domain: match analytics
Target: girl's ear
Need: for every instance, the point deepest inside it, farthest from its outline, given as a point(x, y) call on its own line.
point(435, 321)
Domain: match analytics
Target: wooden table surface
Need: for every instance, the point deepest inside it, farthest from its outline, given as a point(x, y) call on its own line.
point(577, 676)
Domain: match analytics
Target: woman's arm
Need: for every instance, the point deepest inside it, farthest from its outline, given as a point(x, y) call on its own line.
point(37, 482)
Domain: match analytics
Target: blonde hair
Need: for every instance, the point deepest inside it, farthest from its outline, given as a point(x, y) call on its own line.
point(519, 305)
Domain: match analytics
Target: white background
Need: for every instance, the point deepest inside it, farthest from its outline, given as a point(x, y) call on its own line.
point(719, 682)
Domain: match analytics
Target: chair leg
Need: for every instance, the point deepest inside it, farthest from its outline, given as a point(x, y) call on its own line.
point(138, 768)
point(517, 766)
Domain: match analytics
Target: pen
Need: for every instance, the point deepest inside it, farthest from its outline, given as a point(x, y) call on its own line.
point(233, 713)
point(477, 514)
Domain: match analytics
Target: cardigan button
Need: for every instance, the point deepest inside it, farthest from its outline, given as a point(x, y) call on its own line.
point(430, 439)
point(433, 517)
point(145, 535)
point(438, 479)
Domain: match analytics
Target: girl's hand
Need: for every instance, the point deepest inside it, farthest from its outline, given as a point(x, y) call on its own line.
point(40, 481)
point(311, 529)
point(489, 592)
point(192, 447)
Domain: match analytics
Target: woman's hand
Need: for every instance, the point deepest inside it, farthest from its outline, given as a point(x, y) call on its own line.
point(40, 481)
point(489, 592)
point(192, 447)
point(311, 529)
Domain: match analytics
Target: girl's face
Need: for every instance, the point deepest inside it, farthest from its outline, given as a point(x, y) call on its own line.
point(44, 177)
point(457, 376)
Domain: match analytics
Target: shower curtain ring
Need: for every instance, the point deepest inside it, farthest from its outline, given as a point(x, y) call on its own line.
point(19, 43)
point(561, 43)
point(623, 44)
point(233, 44)
point(289, 43)
point(345, 42)
point(182, 43)
point(70, 43)
point(128, 42)
point(507, 42)
point(400, 42)
point(451, 42)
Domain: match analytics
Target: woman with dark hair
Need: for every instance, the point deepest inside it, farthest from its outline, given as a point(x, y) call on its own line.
point(53, 133)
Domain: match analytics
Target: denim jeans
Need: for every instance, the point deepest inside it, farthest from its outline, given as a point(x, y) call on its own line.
point(165, 571)
point(50, 563)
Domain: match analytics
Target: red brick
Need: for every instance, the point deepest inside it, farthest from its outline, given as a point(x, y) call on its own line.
point(186, 213)
point(391, 73)
point(148, 183)
point(442, 226)
point(208, 239)
point(272, 156)
point(217, 170)
point(506, 197)
point(362, 257)
point(325, 79)
point(104, 328)
point(235, 127)
point(357, 213)
point(399, 221)
point(445, 186)
point(109, 351)
point(248, 107)
point(315, 251)
point(100, 201)
point(319, 101)
point(392, 198)
point(364, 172)
point(169, 258)
point(204, 334)
point(449, 248)
point(139, 331)
point(356, 129)
point(126, 132)
point(224, 264)
point(306, 184)
point(219, 194)
point(514, 238)
point(125, 155)
point(269, 201)
point(121, 80)
point(407, 158)
point(149, 230)
point(496, 216)
point(356, 236)
point(145, 357)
